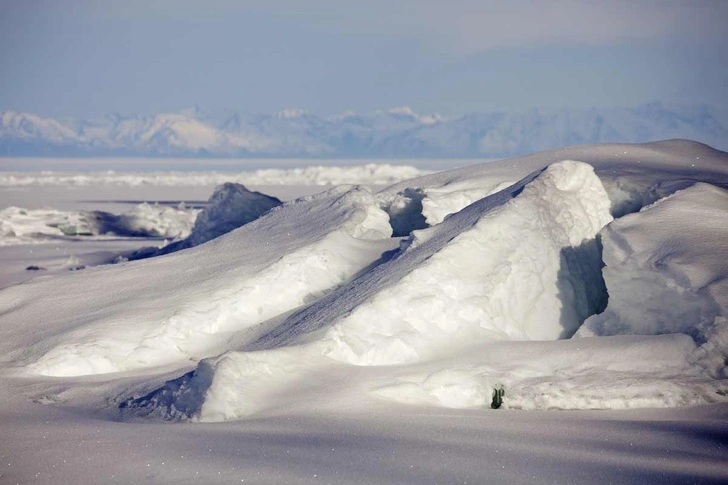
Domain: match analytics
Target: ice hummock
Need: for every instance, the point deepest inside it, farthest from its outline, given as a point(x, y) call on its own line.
point(521, 264)
point(193, 303)
point(456, 301)
point(667, 272)
point(230, 206)
point(271, 316)
point(667, 266)
point(35, 226)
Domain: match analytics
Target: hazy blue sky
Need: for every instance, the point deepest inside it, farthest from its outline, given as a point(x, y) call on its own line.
point(85, 58)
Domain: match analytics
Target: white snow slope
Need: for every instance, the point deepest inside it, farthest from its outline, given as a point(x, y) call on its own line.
point(171, 309)
point(667, 272)
point(315, 309)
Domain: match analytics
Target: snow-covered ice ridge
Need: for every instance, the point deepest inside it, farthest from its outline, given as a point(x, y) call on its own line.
point(434, 291)
point(368, 174)
point(230, 206)
point(35, 226)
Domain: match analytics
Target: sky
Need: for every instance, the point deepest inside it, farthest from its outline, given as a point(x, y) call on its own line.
point(85, 58)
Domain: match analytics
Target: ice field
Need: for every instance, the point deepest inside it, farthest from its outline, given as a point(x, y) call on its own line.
point(301, 330)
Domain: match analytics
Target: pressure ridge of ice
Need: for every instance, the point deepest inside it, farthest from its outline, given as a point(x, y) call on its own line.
point(230, 206)
point(520, 265)
point(34, 226)
point(316, 304)
point(189, 304)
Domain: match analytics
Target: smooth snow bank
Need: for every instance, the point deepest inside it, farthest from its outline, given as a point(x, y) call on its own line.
point(188, 305)
point(230, 206)
point(620, 372)
point(667, 270)
point(369, 174)
point(33, 226)
point(595, 373)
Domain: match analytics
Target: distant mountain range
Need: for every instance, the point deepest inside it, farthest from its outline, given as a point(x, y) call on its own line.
point(397, 133)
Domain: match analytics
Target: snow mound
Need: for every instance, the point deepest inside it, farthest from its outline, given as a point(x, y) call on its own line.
point(194, 303)
point(619, 372)
point(230, 206)
point(315, 306)
point(34, 226)
point(666, 266)
point(667, 269)
point(469, 280)
point(523, 264)
point(605, 373)
point(234, 385)
point(368, 174)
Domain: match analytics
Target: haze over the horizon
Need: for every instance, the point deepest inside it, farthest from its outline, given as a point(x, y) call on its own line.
point(82, 59)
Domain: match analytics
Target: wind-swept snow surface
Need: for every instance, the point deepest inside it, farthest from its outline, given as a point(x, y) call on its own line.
point(440, 291)
point(141, 314)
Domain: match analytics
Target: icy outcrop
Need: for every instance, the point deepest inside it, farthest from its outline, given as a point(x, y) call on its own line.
point(667, 266)
point(34, 226)
point(197, 303)
point(525, 267)
point(667, 272)
point(521, 264)
point(315, 307)
point(229, 207)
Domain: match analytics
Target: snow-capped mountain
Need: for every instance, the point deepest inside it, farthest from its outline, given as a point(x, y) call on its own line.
point(399, 132)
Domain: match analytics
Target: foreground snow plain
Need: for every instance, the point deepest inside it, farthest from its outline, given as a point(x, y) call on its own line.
point(357, 336)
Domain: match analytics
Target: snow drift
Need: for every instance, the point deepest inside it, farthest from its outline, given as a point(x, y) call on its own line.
point(594, 373)
point(667, 266)
point(463, 282)
point(191, 304)
point(667, 272)
point(522, 264)
point(316, 305)
point(634, 176)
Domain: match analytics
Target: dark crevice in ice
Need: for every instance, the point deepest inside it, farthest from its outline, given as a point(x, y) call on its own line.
point(581, 285)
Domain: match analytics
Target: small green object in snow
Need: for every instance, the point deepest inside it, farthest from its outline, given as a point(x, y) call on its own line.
point(498, 394)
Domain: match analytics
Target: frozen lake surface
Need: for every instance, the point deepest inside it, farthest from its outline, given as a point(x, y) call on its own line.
point(357, 334)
